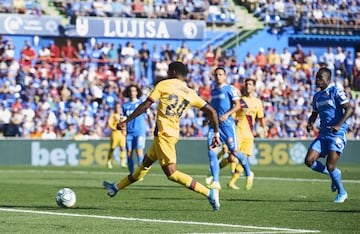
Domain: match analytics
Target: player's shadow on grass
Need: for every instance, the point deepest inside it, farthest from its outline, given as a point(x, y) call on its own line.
point(329, 211)
point(151, 187)
point(270, 200)
point(155, 187)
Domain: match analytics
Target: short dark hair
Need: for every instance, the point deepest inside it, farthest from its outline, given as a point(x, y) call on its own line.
point(250, 79)
point(325, 70)
point(178, 67)
point(126, 92)
point(220, 68)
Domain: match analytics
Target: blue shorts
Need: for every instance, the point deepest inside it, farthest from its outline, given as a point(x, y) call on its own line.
point(227, 136)
point(330, 142)
point(135, 141)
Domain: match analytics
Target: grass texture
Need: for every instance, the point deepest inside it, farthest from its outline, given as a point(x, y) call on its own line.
point(291, 199)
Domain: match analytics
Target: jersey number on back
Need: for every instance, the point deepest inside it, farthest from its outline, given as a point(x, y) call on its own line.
point(176, 107)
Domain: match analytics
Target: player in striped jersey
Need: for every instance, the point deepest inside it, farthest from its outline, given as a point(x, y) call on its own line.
point(251, 111)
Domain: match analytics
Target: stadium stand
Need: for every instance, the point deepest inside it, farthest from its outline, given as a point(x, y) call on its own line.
point(213, 12)
point(335, 17)
point(30, 7)
point(43, 91)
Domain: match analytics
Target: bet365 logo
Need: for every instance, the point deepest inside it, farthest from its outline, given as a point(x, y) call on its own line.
point(72, 154)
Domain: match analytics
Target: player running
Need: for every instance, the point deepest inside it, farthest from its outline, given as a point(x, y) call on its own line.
point(251, 111)
point(226, 101)
point(334, 109)
point(175, 98)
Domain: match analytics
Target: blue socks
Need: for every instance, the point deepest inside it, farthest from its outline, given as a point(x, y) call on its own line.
point(319, 167)
point(244, 162)
point(336, 177)
point(214, 165)
point(130, 163)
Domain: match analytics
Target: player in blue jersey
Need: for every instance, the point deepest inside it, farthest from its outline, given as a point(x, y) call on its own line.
point(226, 101)
point(136, 128)
point(334, 109)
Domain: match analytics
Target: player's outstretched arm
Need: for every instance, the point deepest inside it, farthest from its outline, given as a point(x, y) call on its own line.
point(213, 117)
point(311, 121)
point(348, 111)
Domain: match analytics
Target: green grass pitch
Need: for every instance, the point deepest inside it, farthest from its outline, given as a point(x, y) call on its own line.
point(290, 199)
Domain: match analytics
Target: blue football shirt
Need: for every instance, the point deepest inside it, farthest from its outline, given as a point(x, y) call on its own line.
point(222, 100)
point(137, 125)
point(328, 104)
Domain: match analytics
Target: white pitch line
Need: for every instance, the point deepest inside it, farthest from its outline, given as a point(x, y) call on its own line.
point(283, 230)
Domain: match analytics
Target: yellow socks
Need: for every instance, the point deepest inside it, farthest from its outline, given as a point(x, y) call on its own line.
point(138, 174)
point(109, 155)
point(235, 172)
point(108, 159)
point(223, 163)
point(123, 158)
point(234, 178)
point(177, 176)
point(189, 182)
point(239, 168)
point(233, 167)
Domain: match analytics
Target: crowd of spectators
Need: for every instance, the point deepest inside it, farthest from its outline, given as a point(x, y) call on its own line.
point(305, 16)
point(28, 7)
point(208, 10)
point(212, 11)
point(69, 92)
point(309, 15)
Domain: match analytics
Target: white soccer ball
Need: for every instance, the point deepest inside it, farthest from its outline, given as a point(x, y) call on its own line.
point(66, 198)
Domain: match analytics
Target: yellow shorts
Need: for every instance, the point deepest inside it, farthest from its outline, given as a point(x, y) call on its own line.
point(163, 150)
point(117, 139)
point(246, 145)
